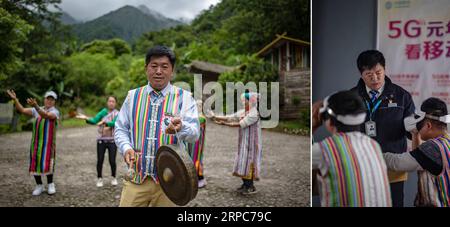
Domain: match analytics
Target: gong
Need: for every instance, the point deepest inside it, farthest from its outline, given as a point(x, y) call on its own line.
point(177, 174)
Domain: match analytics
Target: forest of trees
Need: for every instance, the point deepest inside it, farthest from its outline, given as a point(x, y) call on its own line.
point(38, 53)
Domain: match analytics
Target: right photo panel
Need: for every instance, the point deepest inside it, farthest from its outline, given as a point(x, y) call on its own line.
point(380, 103)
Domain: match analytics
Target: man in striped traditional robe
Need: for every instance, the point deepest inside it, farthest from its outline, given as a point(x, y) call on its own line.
point(140, 131)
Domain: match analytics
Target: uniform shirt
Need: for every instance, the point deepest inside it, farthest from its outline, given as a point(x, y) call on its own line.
point(396, 104)
point(380, 91)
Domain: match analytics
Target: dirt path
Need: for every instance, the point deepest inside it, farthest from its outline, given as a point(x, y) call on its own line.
point(285, 171)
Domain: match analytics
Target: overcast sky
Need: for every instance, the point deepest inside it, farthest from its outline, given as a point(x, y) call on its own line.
point(84, 10)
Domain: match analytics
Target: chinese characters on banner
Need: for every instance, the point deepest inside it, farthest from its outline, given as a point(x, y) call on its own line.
point(414, 36)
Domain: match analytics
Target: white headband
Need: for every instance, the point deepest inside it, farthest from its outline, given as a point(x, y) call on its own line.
point(443, 119)
point(411, 121)
point(349, 119)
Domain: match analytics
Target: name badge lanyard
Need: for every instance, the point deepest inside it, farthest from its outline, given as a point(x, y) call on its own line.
point(371, 127)
point(372, 111)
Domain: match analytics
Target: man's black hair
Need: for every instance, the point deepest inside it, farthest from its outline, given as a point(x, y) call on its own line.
point(435, 107)
point(345, 103)
point(160, 51)
point(369, 59)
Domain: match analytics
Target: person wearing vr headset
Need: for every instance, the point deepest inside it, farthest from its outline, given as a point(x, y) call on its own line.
point(431, 158)
point(387, 106)
point(350, 164)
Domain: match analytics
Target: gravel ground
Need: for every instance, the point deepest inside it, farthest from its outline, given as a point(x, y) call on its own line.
point(284, 175)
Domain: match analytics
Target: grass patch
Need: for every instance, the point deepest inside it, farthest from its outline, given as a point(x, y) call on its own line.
point(72, 123)
point(295, 127)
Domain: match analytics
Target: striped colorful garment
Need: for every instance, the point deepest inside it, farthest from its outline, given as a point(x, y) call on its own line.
point(355, 174)
point(248, 159)
point(43, 146)
point(102, 129)
point(196, 149)
point(435, 190)
point(147, 115)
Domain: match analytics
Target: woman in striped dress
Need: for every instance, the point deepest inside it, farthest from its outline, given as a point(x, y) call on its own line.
point(350, 165)
point(196, 149)
point(248, 158)
point(42, 149)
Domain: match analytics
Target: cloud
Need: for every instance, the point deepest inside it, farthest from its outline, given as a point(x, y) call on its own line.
point(90, 9)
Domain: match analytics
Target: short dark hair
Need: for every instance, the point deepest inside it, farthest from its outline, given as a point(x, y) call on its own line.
point(344, 103)
point(436, 107)
point(369, 59)
point(160, 51)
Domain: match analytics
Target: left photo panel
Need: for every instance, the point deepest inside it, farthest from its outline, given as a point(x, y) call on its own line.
point(202, 103)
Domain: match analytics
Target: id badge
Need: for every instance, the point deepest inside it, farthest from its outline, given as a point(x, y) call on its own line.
point(371, 128)
point(392, 104)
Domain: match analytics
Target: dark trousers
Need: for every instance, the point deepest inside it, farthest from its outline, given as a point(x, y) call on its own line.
point(247, 183)
point(112, 150)
point(38, 179)
point(397, 193)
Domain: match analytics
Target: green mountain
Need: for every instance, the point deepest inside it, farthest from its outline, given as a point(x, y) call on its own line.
point(126, 23)
point(67, 18)
point(233, 27)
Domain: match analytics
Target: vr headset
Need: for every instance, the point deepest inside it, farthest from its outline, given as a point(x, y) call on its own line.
point(349, 119)
point(415, 121)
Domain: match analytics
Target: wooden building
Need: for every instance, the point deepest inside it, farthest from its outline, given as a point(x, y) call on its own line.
point(210, 72)
point(292, 58)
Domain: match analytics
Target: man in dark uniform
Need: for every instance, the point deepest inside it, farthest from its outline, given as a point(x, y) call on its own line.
point(387, 105)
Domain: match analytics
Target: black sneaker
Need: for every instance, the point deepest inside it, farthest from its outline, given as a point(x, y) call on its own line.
point(249, 190)
point(240, 189)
